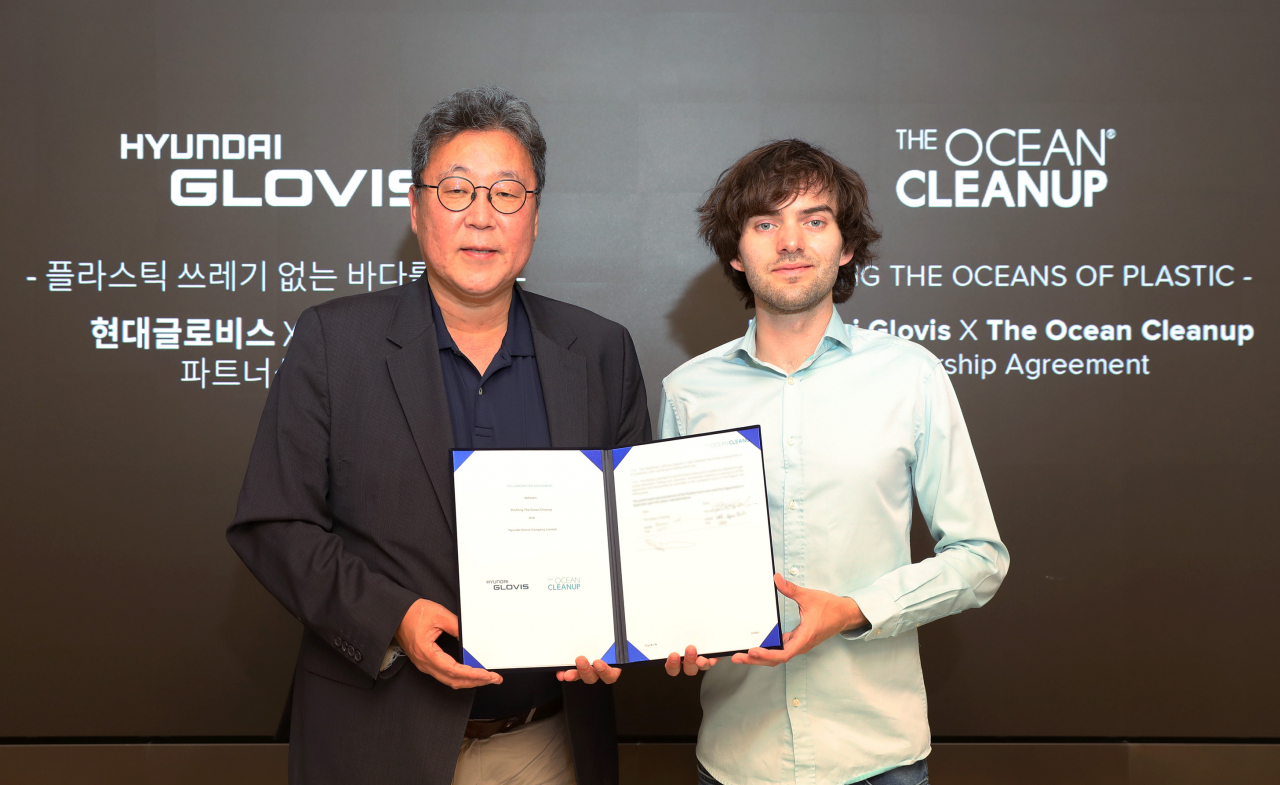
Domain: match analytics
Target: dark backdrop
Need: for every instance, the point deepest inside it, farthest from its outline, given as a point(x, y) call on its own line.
point(1134, 505)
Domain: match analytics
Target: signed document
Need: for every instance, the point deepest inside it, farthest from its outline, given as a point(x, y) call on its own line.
point(624, 555)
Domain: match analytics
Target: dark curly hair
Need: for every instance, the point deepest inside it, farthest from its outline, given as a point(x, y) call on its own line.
point(768, 178)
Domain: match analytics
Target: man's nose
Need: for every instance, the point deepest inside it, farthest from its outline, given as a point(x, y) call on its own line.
point(480, 213)
point(790, 239)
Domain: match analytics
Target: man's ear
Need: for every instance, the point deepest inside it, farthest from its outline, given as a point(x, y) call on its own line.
point(413, 208)
point(535, 219)
point(737, 265)
point(845, 257)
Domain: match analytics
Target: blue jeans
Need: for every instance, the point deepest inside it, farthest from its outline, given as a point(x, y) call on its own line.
point(912, 774)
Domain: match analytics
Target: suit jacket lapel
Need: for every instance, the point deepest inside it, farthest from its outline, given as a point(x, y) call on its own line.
point(563, 374)
point(419, 384)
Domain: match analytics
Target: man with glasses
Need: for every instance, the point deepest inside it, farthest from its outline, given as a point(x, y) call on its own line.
point(346, 513)
point(856, 423)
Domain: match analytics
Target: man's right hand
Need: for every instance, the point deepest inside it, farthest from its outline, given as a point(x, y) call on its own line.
point(417, 635)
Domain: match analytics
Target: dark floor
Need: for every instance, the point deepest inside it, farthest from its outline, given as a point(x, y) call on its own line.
point(671, 764)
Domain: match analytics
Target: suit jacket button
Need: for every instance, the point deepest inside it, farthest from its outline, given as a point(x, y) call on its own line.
point(337, 642)
point(358, 657)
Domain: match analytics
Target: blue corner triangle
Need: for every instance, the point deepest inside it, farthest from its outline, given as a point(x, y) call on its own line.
point(459, 456)
point(596, 457)
point(634, 654)
point(752, 435)
point(774, 638)
point(618, 454)
point(467, 659)
point(611, 656)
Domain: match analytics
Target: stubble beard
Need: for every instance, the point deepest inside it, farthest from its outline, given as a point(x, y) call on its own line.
point(792, 300)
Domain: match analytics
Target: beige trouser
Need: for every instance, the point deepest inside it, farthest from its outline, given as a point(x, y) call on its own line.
point(533, 754)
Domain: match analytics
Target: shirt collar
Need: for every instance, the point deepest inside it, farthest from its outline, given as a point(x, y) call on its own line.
point(835, 334)
point(517, 342)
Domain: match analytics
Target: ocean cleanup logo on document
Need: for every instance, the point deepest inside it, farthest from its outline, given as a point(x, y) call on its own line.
point(563, 583)
point(502, 584)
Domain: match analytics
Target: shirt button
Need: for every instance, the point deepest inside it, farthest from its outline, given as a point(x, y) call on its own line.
point(480, 391)
point(791, 440)
point(791, 380)
point(795, 701)
point(792, 505)
point(794, 571)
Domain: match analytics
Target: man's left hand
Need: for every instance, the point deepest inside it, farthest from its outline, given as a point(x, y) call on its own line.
point(822, 615)
point(693, 662)
point(590, 672)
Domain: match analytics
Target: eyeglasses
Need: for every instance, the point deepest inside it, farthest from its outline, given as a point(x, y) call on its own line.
point(457, 194)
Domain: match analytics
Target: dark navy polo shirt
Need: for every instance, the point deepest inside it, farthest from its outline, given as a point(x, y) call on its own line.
point(502, 407)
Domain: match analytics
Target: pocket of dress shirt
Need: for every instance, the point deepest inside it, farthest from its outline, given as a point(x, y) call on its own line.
point(341, 472)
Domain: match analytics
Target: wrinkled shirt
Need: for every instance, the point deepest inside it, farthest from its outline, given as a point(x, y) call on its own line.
point(864, 423)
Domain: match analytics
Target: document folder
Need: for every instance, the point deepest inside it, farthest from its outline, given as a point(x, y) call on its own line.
point(623, 555)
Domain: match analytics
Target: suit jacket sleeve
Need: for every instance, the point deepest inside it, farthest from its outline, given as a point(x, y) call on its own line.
point(634, 426)
point(283, 528)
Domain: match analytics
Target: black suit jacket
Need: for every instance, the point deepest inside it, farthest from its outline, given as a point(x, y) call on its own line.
point(346, 516)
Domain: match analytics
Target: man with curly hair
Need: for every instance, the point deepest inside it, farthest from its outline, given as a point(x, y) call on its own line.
point(855, 423)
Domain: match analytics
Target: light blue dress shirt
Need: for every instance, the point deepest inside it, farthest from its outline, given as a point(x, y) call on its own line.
point(865, 421)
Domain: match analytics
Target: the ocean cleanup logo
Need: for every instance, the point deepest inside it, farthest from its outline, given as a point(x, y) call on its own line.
point(564, 583)
point(1006, 167)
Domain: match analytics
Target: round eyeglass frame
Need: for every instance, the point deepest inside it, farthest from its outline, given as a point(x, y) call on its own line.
point(475, 188)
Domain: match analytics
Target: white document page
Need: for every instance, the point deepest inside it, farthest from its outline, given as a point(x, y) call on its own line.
point(693, 535)
point(533, 558)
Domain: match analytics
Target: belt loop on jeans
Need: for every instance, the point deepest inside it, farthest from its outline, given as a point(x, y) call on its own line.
point(484, 729)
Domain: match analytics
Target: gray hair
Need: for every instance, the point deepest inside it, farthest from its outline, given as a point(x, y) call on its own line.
point(485, 108)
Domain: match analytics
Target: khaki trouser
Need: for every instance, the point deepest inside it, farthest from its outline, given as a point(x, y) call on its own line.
point(533, 754)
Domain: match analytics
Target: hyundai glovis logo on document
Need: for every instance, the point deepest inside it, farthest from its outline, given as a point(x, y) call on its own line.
point(502, 584)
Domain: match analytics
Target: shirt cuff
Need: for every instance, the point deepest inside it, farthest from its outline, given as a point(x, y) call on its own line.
point(881, 613)
point(393, 651)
